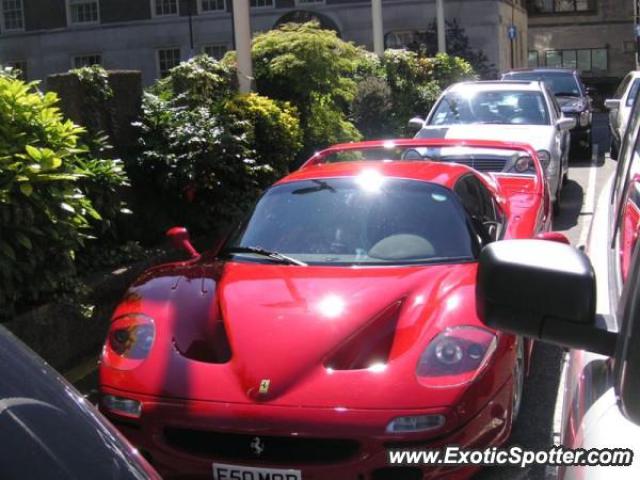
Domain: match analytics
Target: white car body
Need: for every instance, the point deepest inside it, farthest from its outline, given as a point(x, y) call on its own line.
point(549, 137)
point(620, 107)
point(590, 414)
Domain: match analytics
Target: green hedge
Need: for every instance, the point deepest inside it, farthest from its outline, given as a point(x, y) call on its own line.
point(52, 190)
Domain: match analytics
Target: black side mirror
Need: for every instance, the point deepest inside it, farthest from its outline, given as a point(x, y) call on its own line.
point(543, 290)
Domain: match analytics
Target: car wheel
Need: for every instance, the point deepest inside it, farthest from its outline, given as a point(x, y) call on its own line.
point(613, 149)
point(518, 381)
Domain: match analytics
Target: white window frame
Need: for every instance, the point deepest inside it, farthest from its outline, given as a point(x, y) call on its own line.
point(84, 55)
point(166, 15)
point(70, 23)
point(158, 50)
point(263, 7)
point(3, 27)
point(220, 44)
point(202, 11)
point(303, 3)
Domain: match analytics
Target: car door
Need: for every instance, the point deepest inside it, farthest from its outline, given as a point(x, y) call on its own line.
point(563, 136)
point(614, 113)
point(590, 415)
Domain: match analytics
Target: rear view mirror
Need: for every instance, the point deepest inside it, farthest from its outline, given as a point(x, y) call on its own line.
point(416, 123)
point(542, 290)
point(612, 103)
point(566, 123)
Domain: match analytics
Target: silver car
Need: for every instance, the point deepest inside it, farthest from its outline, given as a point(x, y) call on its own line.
point(518, 111)
point(619, 108)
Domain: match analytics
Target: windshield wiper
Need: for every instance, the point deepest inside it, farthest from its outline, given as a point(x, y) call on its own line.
point(320, 186)
point(266, 253)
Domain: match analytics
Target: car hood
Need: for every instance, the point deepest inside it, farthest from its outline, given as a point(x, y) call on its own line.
point(565, 100)
point(298, 331)
point(538, 136)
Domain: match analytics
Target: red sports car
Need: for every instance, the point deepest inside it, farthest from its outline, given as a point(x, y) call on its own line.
point(337, 322)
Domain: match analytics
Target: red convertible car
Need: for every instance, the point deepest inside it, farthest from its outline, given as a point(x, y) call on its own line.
point(338, 321)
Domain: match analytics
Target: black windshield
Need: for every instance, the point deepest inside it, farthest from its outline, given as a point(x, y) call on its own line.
point(366, 220)
point(560, 83)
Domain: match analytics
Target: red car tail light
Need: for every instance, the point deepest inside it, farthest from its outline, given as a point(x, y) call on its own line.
point(129, 341)
point(456, 356)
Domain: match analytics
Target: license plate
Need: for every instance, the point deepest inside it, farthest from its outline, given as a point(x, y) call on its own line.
point(223, 471)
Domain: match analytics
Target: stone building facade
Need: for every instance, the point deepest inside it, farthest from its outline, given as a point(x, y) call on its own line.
point(43, 37)
point(596, 37)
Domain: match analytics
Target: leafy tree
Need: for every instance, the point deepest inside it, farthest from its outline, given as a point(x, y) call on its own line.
point(316, 71)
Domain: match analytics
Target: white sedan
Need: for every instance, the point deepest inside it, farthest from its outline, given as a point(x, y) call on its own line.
point(517, 111)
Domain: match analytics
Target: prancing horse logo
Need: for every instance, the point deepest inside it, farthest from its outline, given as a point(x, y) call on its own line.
point(257, 446)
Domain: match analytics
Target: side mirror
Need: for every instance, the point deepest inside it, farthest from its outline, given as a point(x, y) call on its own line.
point(543, 290)
point(180, 240)
point(566, 123)
point(416, 123)
point(554, 237)
point(612, 103)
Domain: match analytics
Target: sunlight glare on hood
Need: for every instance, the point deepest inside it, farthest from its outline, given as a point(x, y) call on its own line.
point(378, 367)
point(331, 306)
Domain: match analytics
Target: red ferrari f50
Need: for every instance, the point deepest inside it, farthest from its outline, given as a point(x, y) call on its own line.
point(336, 322)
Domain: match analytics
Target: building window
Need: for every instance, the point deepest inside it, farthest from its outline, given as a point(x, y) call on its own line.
point(87, 60)
point(402, 39)
point(207, 6)
point(20, 66)
point(12, 15)
point(162, 8)
point(560, 6)
point(216, 51)
point(261, 3)
point(83, 11)
point(533, 59)
point(592, 60)
point(167, 59)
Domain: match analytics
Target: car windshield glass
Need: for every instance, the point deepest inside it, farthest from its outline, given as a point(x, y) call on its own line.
point(364, 220)
point(560, 83)
point(633, 91)
point(492, 107)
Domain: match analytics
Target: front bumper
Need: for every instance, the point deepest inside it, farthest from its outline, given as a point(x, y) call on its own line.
point(154, 435)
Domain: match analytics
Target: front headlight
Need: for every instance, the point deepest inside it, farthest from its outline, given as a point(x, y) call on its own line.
point(545, 158)
point(576, 105)
point(456, 356)
point(129, 341)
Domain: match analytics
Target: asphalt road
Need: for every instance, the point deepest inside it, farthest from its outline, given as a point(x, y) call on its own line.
point(535, 428)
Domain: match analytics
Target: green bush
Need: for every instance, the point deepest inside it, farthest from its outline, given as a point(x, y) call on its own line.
point(314, 70)
point(373, 108)
point(210, 159)
point(45, 213)
point(272, 128)
point(416, 82)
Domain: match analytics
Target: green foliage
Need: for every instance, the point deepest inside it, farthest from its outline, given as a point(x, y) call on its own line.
point(45, 214)
point(416, 82)
point(200, 79)
point(272, 128)
point(373, 108)
point(458, 45)
point(314, 70)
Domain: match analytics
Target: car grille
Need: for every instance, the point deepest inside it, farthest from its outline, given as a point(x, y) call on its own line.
point(482, 164)
point(238, 447)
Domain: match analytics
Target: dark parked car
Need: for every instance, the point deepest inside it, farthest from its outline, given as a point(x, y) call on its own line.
point(48, 430)
point(572, 96)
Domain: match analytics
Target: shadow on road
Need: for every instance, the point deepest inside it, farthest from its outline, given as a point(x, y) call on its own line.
point(534, 428)
point(570, 206)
